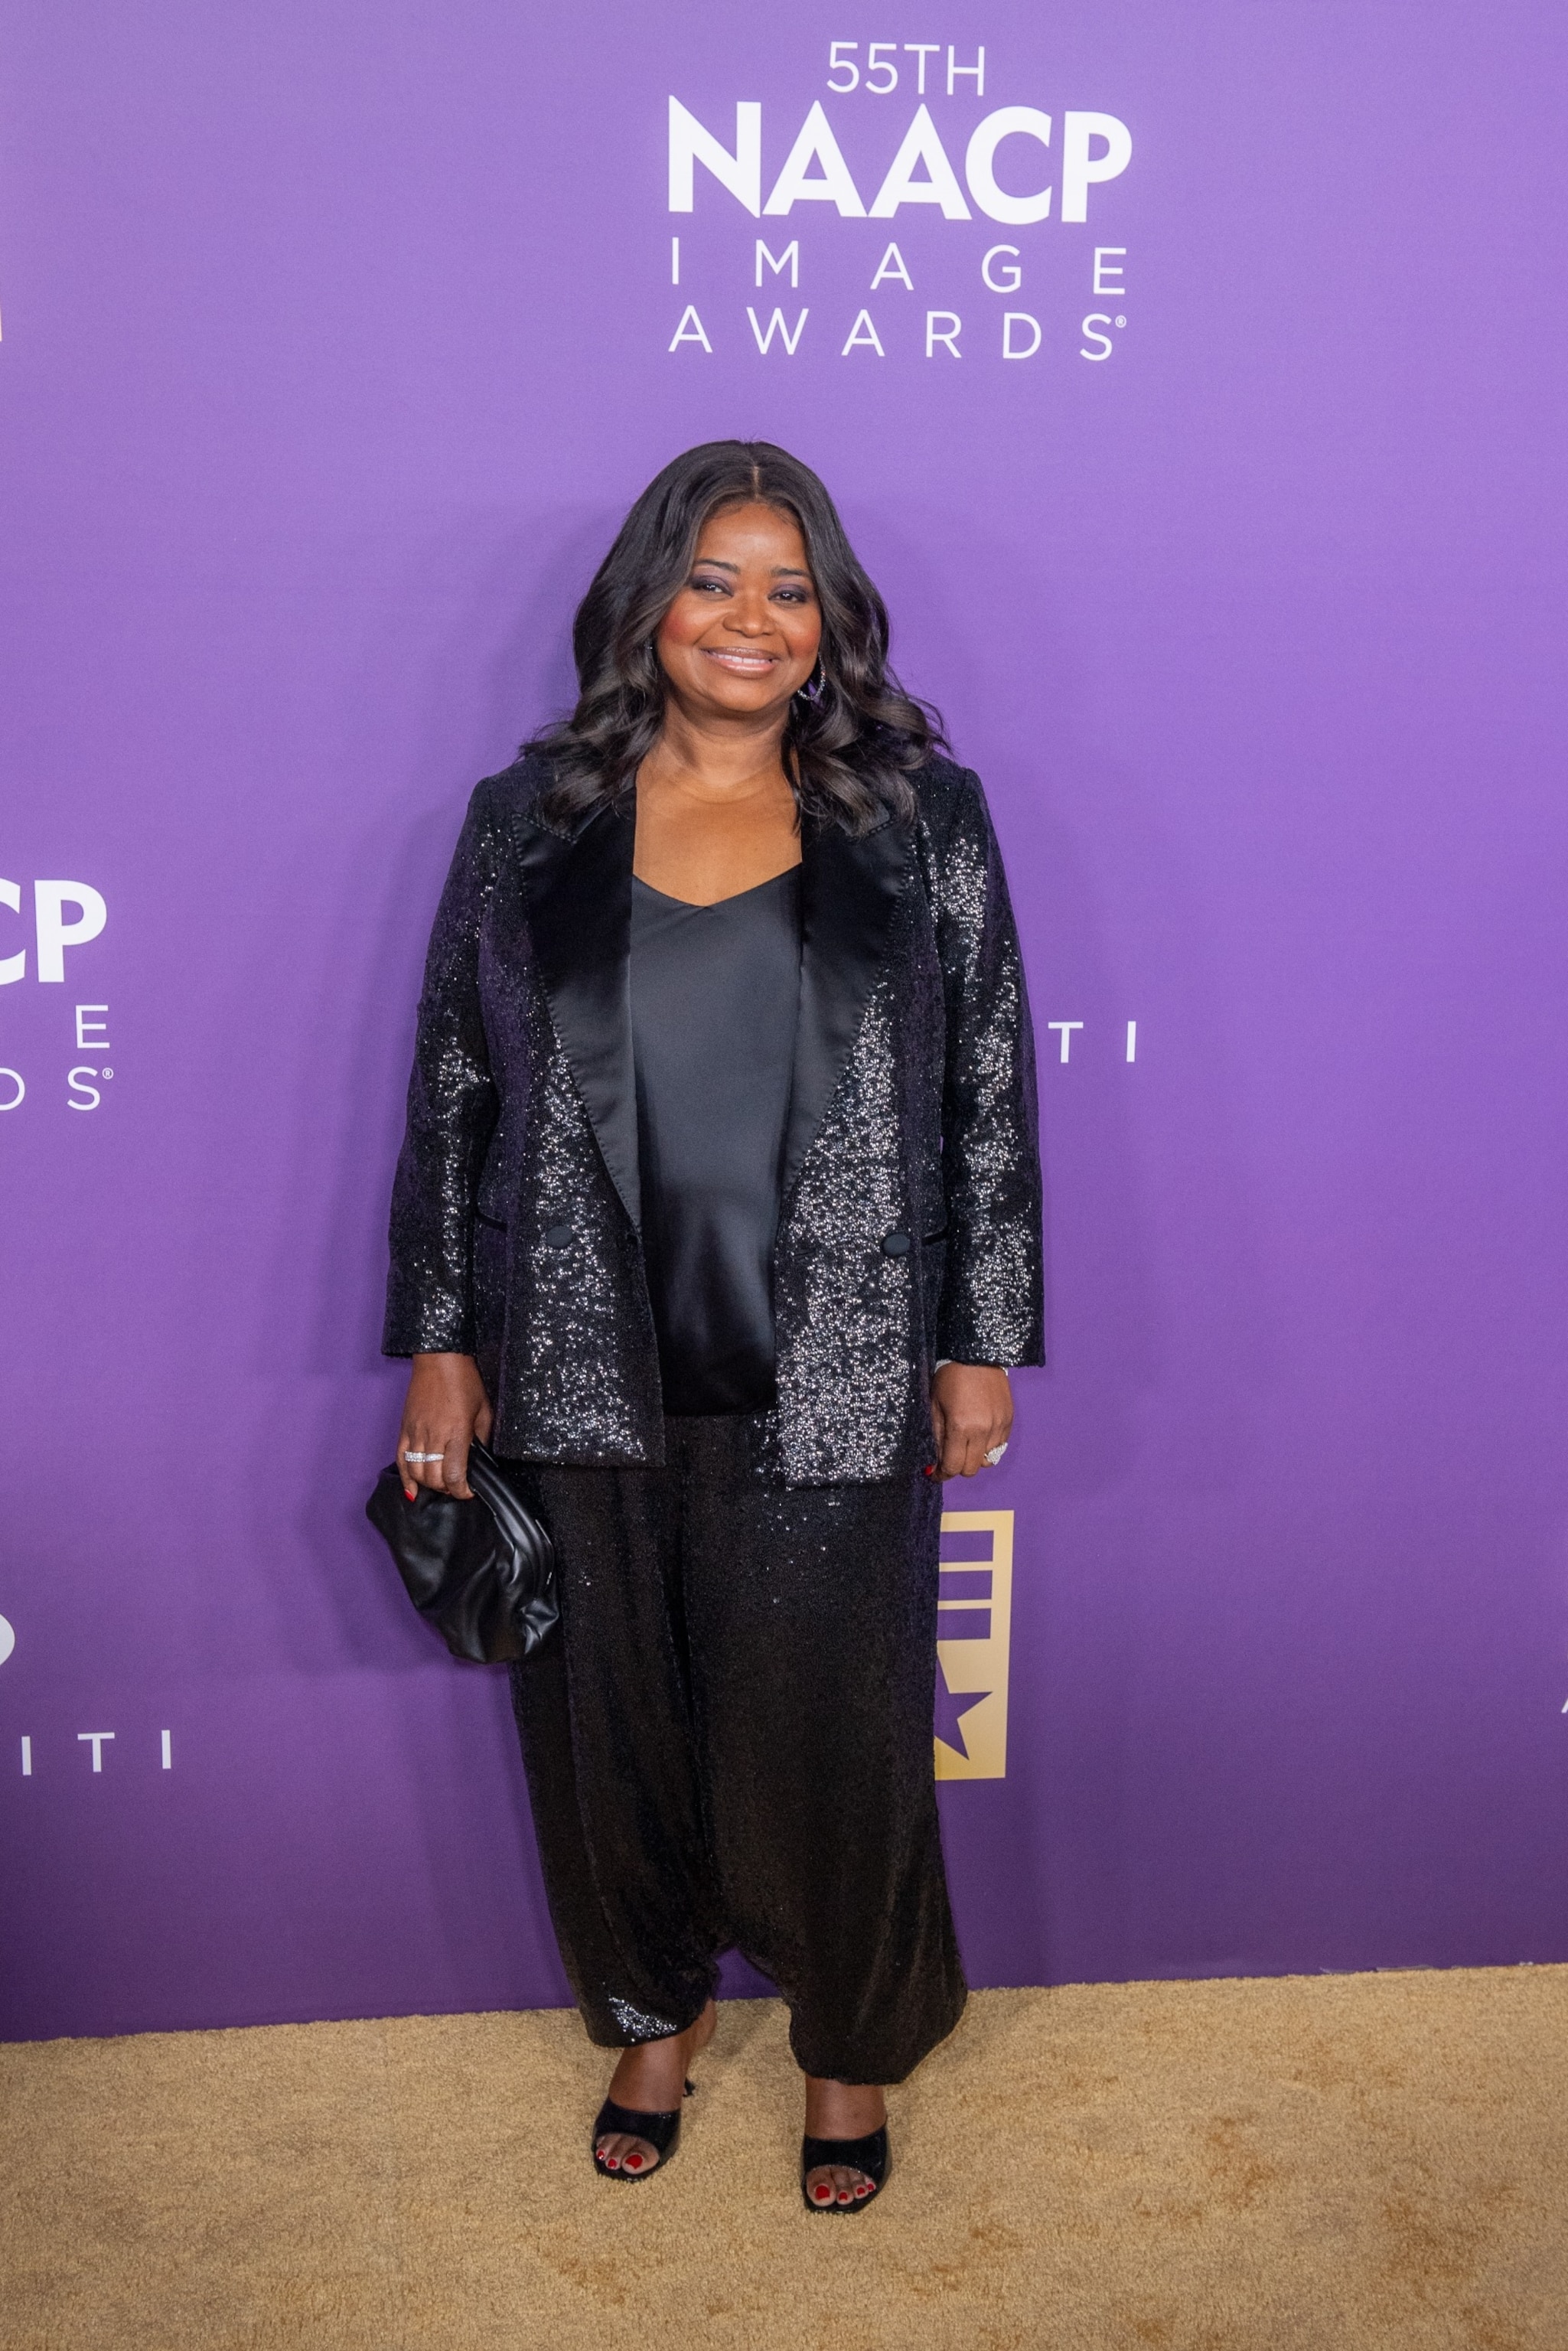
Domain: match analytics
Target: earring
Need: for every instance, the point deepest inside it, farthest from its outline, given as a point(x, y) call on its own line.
point(812, 691)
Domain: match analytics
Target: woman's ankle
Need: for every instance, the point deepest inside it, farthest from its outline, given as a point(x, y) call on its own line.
point(842, 2109)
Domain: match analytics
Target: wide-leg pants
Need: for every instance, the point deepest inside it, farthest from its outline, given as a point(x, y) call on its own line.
point(729, 1745)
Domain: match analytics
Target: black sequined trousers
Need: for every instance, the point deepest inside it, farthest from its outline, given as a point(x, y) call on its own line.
point(730, 1746)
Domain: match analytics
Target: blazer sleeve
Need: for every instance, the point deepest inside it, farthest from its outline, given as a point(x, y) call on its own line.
point(453, 1104)
point(993, 1307)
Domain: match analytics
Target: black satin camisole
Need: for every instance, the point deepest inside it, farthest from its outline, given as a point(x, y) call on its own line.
point(714, 992)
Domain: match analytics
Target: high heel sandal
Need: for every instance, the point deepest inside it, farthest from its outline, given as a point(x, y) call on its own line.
point(662, 2133)
point(868, 2154)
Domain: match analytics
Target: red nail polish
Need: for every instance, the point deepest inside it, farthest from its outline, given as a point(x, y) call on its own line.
point(633, 2163)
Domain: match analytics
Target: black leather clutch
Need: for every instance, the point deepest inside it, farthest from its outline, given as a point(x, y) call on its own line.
point(482, 1572)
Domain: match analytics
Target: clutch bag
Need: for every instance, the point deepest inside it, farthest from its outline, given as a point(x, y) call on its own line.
point(482, 1572)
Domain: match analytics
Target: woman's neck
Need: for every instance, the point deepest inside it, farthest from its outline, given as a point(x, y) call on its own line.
point(714, 814)
point(715, 761)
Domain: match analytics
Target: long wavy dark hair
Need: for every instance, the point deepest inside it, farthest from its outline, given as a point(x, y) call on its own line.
point(853, 738)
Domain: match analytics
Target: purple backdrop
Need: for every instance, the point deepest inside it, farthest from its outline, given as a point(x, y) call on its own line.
point(335, 340)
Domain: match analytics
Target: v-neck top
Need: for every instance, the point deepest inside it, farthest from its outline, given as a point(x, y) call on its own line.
point(715, 996)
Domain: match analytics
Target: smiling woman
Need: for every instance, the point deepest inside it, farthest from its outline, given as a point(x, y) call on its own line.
point(718, 1216)
point(853, 738)
point(741, 636)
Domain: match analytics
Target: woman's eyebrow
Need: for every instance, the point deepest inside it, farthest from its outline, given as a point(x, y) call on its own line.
point(781, 570)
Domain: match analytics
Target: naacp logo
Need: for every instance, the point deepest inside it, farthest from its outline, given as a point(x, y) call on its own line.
point(919, 173)
point(1016, 166)
point(974, 1622)
point(64, 914)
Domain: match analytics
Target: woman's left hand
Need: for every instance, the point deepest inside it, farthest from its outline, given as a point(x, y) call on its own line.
point(971, 1414)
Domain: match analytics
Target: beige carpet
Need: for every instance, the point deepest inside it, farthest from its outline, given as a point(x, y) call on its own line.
point(1324, 2163)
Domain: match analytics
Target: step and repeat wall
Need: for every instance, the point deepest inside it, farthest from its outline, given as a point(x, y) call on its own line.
point(1190, 379)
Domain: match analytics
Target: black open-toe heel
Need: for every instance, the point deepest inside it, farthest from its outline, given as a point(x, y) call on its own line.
point(868, 2154)
point(663, 2132)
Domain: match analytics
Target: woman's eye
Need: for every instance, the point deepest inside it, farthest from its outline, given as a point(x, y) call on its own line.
point(719, 586)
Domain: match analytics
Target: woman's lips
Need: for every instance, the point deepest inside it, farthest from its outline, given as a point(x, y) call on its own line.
point(732, 657)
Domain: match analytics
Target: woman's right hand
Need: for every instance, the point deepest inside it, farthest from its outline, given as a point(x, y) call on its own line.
point(445, 1409)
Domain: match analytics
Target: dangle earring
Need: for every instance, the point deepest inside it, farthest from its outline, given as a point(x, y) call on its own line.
point(812, 691)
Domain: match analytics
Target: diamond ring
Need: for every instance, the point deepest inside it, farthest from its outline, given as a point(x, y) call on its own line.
point(993, 1456)
point(435, 1457)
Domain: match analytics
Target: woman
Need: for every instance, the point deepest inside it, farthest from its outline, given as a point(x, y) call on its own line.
point(719, 1207)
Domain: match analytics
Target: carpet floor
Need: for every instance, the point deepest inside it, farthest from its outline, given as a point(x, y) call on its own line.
point(1326, 2162)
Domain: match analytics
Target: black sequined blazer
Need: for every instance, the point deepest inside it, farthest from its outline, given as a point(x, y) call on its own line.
point(911, 1221)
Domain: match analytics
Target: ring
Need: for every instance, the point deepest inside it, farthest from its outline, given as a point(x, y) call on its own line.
point(424, 1457)
point(993, 1456)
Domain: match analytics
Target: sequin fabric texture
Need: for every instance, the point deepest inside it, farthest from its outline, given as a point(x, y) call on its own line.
point(731, 1745)
point(911, 1224)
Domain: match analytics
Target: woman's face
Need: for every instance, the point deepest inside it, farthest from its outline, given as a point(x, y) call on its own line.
point(743, 633)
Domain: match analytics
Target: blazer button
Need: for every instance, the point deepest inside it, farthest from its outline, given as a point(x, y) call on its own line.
point(897, 1245)
point(556, 1236)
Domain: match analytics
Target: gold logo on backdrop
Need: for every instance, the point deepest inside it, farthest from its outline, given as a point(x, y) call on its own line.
point(974, 1620)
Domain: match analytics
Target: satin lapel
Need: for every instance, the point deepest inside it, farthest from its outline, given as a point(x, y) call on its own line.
point(848, 888)
point(578, 893)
